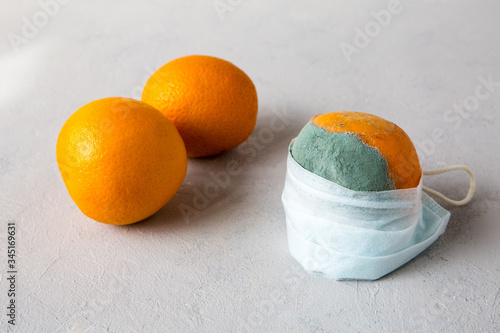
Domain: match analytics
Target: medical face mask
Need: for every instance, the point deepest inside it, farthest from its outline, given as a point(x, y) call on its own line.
point(353, 235)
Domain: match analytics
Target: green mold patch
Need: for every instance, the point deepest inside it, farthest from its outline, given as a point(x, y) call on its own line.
point(342, 158)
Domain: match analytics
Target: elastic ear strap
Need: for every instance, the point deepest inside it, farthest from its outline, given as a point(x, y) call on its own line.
point(472, 186)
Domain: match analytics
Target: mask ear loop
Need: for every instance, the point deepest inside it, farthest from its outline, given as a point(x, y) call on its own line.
point(472, 186)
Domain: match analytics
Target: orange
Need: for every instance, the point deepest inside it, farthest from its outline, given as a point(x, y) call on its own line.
point(387, 138)
point(212, 102)
point(121, 160)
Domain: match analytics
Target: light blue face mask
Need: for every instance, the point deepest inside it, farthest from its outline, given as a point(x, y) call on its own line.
point(352, 235)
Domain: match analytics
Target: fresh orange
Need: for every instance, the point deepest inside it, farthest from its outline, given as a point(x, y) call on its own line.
point(212, 102)
point(121, 160)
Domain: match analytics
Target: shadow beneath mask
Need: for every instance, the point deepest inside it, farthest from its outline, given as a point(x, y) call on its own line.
point(465, 229)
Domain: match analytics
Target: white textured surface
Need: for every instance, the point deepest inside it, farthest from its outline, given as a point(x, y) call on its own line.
point(229, 269)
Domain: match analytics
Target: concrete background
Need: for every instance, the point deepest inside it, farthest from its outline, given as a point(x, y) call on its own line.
point(226, 267)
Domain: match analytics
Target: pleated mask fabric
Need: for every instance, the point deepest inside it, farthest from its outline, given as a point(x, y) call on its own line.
point(352, 235)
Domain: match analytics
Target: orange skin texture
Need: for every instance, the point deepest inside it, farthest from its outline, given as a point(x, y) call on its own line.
point(212, 102)
point(121, 160)
point(390, 140)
